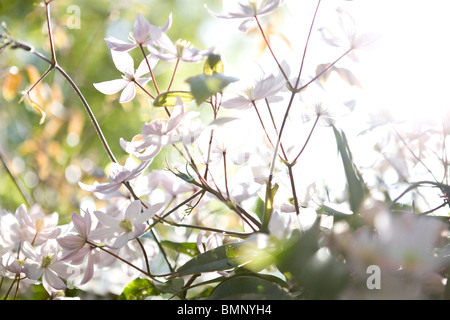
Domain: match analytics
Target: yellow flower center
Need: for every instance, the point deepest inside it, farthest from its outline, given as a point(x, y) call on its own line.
point(47, 260)
point(180, 45)
point(126, 225)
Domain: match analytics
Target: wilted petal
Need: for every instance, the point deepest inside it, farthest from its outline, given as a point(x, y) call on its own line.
point(112, 86)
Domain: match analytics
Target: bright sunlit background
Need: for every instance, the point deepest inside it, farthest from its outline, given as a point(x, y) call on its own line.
point(404, 75)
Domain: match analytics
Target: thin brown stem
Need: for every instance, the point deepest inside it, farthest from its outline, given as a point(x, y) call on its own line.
point(270, 49)
point(150, 69)
point(225, 172)
point(173, 74)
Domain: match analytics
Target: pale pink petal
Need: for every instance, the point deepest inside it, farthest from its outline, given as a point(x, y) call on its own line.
point(143, 66)
point(161, 40)
point(168, 24)
point(89, 271)
point(33, 271)
point(141, 28)
point(79, 224)
point(150, 212)
point(176, 116)
point(239, 102)
point(106, 220)
point(51, 278)
point(121, 241)
point(133, 210)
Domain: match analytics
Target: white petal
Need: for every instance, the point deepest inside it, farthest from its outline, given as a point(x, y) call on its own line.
point(162, 40)
point(239, 102)
point(128, 93)
point(150, 212)
point(133, 210)
point(247, 24)
point(121, 241)
point(143, 66)
point(141, 28)
point(52, 279)
point(168, 24)
point(112, 86)
point(119, 45)
point(105, 219)
point(123, 62)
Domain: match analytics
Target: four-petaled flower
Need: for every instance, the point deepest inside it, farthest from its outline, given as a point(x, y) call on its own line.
point(247, 10)
point(346, 36)
point(140, 36)
point(44, 263)
point(127, 226)
point(117, 175)
point(266, 88)
point(125, 64)
point(155, 134)
point(164, 49)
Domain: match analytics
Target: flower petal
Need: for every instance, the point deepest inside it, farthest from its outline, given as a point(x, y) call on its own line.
point(112, 86)
point(119, 45)
point(128, 93)
point(141, 28)
point(123, 62)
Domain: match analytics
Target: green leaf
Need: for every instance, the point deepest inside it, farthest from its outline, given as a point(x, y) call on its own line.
point(357, 189)
point(189, 248)
point(213, 65)
point(248, 288)
point(268, 207)
point(169, 98)
point(139, 289)
point(203, 86)
point(173, 286)
point(218, 259)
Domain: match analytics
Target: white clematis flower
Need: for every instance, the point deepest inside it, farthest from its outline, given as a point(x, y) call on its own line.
point(117, 175)
point(139, 37)
point(125, 64)
point(246, 10)
point(130, 225)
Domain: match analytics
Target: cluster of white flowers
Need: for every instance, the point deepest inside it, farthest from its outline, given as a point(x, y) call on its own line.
point(230, 160)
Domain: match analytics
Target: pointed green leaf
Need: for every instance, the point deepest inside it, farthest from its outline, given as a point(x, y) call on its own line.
point(203, 86)
point(248, 288)
point(213, 65)
point(139, 289)
point(357, 189)
point(218, 259)
point(169, 98)
point(189, 248)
